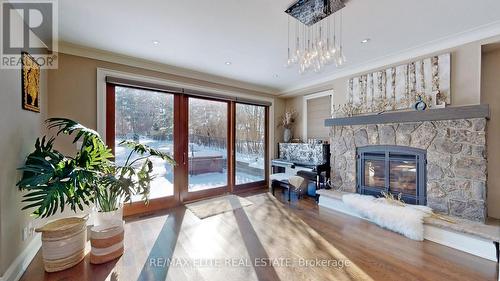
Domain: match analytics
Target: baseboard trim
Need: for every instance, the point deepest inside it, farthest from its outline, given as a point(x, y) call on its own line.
point(21, 263)
point(461, 241)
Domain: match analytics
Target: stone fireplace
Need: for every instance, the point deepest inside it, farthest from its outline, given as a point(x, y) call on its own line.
point(455, 150)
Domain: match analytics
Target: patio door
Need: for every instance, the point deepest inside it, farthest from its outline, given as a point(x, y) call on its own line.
point(207, 158)
point(219, 144)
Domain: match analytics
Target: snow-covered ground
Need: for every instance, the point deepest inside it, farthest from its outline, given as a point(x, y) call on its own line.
point(254, 161)
point(211, 180)
point(162, 185)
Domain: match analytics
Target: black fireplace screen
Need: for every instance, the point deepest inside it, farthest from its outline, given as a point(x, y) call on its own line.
point(393, 169)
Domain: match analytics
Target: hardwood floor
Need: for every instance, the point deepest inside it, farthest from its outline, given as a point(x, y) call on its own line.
point(266, 231)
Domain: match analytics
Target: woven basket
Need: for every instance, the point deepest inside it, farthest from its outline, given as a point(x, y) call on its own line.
point(63, 243)
point(106, 242)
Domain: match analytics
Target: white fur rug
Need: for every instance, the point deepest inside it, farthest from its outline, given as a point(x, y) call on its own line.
point(408, 220)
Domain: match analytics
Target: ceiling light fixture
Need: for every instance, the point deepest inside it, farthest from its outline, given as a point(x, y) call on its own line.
point(228, 63)
point(156, 42)
point(364, 41)
point(315, 34)
point(276, 76)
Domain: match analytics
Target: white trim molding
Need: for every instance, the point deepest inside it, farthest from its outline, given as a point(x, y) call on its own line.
point(21, 263)
point(304, 108)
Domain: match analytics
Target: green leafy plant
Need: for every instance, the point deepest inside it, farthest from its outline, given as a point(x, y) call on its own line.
point(132, 178)
point(52, 180)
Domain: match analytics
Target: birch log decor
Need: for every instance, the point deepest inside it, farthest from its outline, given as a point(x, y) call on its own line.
point(397, 88)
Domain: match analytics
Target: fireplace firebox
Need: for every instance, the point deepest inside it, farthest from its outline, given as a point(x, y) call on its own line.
point(392, 169)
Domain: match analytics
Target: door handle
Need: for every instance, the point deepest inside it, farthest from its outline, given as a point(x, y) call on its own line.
point(184, 158)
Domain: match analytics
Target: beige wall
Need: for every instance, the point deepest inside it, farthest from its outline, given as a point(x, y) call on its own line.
point(490, 94)
point(19, 130)
point(279, 111)
point(296, 105)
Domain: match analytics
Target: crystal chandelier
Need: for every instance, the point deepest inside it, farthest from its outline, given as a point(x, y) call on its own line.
point(315, 34)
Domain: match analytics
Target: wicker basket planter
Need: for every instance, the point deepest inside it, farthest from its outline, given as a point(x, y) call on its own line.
point(63, 243)
point(106, 242)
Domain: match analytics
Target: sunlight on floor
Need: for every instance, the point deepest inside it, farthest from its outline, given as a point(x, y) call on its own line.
point(262, 240)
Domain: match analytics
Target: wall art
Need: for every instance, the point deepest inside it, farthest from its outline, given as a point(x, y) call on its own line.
point(399, 87)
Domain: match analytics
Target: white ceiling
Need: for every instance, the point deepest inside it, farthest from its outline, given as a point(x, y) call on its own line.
point(201, 35)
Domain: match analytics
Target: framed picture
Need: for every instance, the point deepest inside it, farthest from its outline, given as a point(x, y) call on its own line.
point(30, 83)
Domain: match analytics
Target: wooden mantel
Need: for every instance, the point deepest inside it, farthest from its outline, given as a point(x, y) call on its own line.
point(449, 113)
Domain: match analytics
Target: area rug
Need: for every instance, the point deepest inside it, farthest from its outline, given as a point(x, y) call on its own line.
point(211, 207)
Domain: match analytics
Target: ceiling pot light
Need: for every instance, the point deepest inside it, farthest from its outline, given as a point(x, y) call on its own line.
point(156, 42)
point(228, 63)
point(275, 75)
point(364, 41)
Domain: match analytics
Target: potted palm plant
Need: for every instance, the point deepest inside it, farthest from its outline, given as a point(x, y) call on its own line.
point(52, 180)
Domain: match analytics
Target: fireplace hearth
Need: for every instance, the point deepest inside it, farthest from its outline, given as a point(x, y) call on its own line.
point(397, 170)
